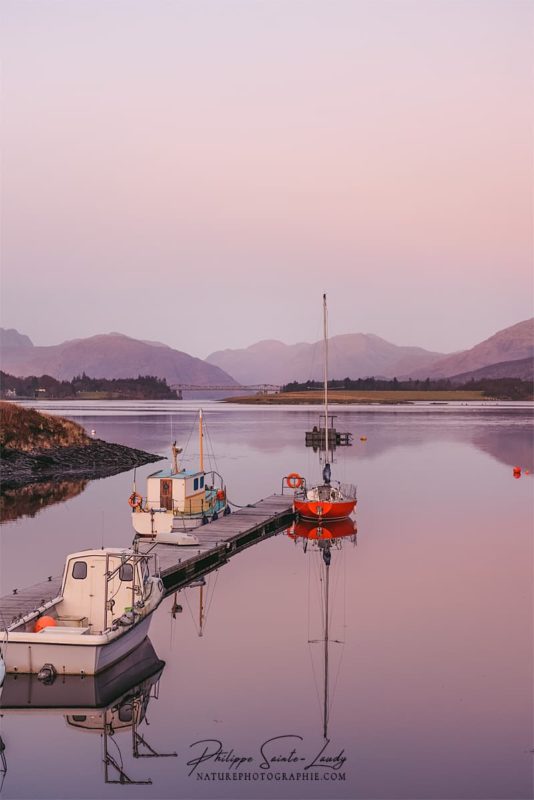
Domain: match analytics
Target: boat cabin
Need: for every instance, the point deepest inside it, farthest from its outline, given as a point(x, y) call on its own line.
point(99, 586)
point(182, 492)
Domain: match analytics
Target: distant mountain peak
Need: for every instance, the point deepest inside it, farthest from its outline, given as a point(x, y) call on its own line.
point(352, 355)
point(112, 355)
point(509, 344)
point(10, 337)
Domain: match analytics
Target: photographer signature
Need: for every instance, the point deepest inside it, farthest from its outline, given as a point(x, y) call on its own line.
point(279, 750)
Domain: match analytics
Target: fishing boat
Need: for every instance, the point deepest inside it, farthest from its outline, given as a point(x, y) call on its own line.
point(179, 500)
point(101, 614)
point(329, 500)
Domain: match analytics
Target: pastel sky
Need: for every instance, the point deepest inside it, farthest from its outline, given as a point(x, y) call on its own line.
point(198, 172)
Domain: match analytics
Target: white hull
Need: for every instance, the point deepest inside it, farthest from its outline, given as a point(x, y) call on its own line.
point(77, 654)
point(167, 528)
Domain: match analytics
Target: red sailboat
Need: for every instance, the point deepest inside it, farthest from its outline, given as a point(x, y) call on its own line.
point(329, 500)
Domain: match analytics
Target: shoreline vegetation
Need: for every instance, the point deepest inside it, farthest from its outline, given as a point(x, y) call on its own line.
point(144, 387)
point(37, 447)
point(394, 392)
point(341, 397)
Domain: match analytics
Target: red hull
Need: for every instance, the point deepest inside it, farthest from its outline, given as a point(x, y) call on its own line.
point(309, 529)
point(317, 510)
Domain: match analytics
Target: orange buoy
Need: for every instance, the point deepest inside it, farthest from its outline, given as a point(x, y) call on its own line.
point(363, 438)
point(516, 472)
point(293, 480)
point(44, 622)
point(135, 501)
point(221, 494)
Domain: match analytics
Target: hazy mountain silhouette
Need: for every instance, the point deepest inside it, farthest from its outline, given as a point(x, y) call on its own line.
point(354, 355)
point(9, 337)
point(519, 368)
point(111, 355)
point(511, 344)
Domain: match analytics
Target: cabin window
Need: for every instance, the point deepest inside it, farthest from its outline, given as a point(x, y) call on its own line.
point(126, 572)
point(126, 713)
point(195, 484)
point(79, 570)
point(202, 481)
point(79, 717)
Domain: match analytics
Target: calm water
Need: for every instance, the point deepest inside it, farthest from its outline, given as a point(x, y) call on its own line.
point(430, 660)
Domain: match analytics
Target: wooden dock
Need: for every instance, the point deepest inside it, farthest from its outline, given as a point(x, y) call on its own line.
point(219, 541)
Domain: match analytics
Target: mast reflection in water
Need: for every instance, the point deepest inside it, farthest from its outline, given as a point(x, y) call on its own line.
point(320, 542)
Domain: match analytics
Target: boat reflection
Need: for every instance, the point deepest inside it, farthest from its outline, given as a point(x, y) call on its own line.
point(27, 501)
point(108, 704)
point(308, 531)
point(319, 541)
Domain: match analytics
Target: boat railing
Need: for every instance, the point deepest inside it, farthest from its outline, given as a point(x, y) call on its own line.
point(349, 490)
point(300, 489)
point(138, 581)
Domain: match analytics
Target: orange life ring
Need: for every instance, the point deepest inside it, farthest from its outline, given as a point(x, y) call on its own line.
point(293, 480)
point(135, 500)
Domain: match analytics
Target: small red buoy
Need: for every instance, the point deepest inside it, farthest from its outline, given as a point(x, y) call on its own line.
point(44, 622)
point(516, 472)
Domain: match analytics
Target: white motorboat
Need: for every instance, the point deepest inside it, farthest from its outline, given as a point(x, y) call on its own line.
point(101, 614)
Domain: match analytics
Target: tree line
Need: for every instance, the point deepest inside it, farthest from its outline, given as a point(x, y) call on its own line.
point(498, 388)
point(144, 387)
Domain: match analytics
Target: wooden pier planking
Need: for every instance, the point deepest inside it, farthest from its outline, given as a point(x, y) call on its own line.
point(219, 541)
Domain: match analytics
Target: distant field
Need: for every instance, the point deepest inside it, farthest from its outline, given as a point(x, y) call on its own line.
point(341, 396)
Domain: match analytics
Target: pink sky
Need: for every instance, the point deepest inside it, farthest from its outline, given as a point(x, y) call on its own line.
point(199, 172)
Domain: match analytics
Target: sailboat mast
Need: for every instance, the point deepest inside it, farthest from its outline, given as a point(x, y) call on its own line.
point(325, 333)
point(201, 441)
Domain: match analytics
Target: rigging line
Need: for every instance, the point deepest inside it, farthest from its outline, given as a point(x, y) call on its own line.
point(191, 429)
point(112, 739)
point(211, 451)
point(211, 599)
point(315, 681)
point(191, 613)
point(342, 649)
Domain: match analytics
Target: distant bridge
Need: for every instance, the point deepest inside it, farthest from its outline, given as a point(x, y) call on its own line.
point(261, 388)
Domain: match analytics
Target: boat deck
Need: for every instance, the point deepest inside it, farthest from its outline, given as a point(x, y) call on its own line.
point(219, 541)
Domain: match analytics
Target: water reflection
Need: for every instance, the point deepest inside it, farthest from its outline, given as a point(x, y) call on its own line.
point(108, 704)
point(27, 501)
point(319, 542)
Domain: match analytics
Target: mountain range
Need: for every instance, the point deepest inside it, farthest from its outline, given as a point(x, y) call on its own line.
point(361, 355)
point(352, 355)
point(508, 353)
point(511, 344)
point(110, 355)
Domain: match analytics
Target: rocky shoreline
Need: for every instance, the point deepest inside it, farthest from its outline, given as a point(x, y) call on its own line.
point(91, 460)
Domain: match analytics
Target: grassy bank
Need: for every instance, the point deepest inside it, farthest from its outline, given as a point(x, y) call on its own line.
point(26, 430)
point(345, 397)
point(36, 448)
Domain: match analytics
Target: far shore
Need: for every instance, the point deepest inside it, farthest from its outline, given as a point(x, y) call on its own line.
point(341, 397)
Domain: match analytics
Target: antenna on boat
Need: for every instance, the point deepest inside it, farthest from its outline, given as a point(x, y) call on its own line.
point(175, 450)
point(200, 440)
